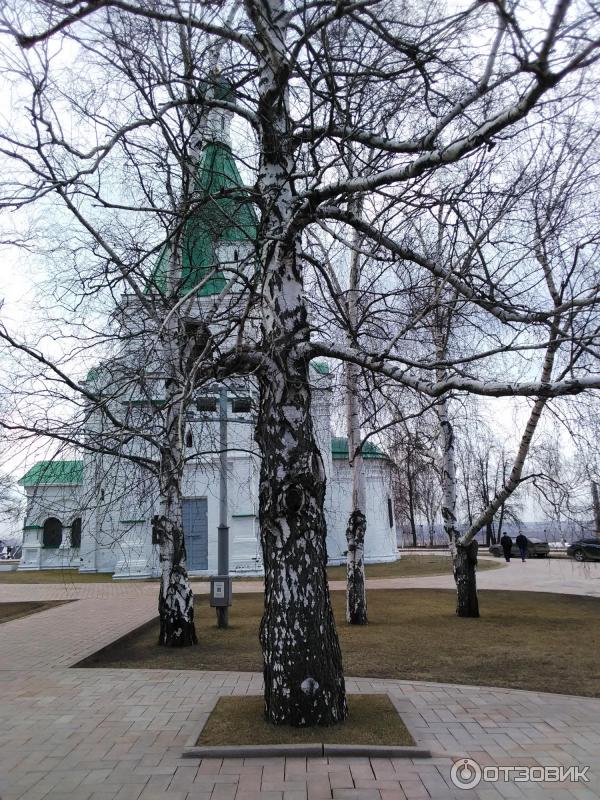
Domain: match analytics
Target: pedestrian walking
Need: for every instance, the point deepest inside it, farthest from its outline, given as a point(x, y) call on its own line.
point(521, 541)
point(506, 543)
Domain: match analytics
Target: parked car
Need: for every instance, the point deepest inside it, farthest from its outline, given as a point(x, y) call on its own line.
point(536, 548)
point(585, 549)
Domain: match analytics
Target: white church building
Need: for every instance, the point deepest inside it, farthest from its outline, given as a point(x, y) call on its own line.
point(94, 514)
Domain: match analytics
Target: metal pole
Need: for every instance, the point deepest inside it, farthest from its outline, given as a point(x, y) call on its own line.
point(223, 529)
point(596, 507)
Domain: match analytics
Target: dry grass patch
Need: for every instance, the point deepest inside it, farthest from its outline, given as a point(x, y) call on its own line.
point(55, 576)
point(372, 720)
point(10, 611)
point(410, 566)
point(524, 640)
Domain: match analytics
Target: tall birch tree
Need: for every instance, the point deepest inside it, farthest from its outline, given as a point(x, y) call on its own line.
point(435, 89)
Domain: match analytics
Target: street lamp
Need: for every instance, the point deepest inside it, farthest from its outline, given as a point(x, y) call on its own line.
point(221, 584)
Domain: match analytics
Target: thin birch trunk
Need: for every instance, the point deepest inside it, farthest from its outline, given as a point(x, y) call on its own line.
point(356, 593)
point(176, 601)
point(411, 502)
point(464, 558)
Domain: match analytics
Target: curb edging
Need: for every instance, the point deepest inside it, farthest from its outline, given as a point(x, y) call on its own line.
point(305, 750)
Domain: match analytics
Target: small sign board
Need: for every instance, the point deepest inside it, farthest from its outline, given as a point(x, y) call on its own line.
point(220, 590)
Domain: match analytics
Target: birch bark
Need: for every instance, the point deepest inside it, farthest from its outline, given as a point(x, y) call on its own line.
point(356, 594)
point(464, 557)
point(304, 682)
point(176, 600)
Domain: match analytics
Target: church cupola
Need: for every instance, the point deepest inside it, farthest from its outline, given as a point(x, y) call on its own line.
point(221, 230)
point(214, 124)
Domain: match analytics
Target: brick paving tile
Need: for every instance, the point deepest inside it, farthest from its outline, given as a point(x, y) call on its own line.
point(295, 794)
point(392, 794)
point(224, 791)
point(79, 734)
point(341, 779)
point(318, 788)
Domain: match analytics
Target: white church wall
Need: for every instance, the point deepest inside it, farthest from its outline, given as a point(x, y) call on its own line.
point(62, 502)
point(380, 540)
point(202, 481)
point(118, 499)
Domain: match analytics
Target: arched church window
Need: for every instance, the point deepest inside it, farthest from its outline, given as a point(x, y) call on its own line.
point(76, 532)
point(52, 535)
point(235, 255)
point(189, 439)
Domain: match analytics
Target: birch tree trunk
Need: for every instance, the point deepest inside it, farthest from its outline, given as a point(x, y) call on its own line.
point(304, 683)
point(181, 343)
point(303, 677)
point(356, 594)
point(176, 601)
point(464, 558)
point(411, 502)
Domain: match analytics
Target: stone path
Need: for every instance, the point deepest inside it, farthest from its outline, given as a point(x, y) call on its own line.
point(559, 575)
point(82, 734)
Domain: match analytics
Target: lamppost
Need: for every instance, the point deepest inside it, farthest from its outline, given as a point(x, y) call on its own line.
point(221, 584)
point(223, 529)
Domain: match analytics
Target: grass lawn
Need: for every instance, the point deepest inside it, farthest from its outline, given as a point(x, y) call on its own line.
point(55, 576)
point(410, 566)
point(372, 719)
point(524, 640)
point(10, 611)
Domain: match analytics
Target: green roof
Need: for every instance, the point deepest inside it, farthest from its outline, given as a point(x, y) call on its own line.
point(321, 367)
point(54, 472)
point(339, 449)
point(227, 219)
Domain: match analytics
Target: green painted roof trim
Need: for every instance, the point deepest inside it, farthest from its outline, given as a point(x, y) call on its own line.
point(339, 449)
point(33, 527)
point(54, 472)
point(227, 219)
point(321, 367)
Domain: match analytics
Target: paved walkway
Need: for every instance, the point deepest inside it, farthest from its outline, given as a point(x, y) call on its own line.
point(83, 734)
point(560, 575)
